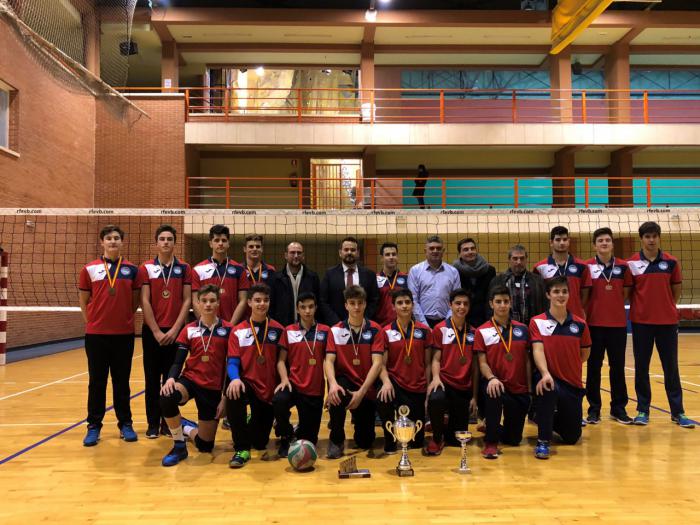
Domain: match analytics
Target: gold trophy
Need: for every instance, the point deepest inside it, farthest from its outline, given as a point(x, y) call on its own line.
point(404, 430)
point(463, 436)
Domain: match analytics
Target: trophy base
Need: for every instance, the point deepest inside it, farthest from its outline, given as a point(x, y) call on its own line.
point(404, 473)
point(361, 473)
point(466, 470)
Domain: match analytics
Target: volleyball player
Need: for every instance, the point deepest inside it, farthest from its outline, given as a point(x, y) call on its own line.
point(300, 367)
point(454, 385)
point(255, 271)
point(166, 296)
point(406, 373)
point(503, 349)
point(353, 363)
point(108, 299)
point(253, 353)
point(390, 278)
point(201, 348)
point(561, 344)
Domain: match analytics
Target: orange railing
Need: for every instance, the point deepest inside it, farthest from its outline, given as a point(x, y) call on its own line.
point(439, 105)
point(442, 193)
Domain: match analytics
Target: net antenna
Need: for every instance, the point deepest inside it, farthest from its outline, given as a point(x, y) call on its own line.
point(59, 63)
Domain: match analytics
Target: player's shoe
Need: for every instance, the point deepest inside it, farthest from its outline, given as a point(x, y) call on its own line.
point(390, 447)
point(334, 451)
point(164, 430)
point(583, 422)
point(239, 459)
point(641, 419)
point(92, 437)
point(683, 421)
point(152, 432)
point(490, 451)
point(434, 448)
point(542, 450)
point(283, 451)
point(177, 454)
point(622, 418)
point(225, 425)
point(127, 434)
point(593, 418)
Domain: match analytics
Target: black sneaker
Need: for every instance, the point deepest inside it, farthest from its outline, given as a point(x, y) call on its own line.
point(593, 418)
point(152, 432)
point(239, 459)
point(164, 430)
point(283, 451)
point(622, 418)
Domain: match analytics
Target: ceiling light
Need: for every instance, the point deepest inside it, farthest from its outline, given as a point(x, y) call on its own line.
point(260, 71)
point(384, 1)
point(371, 15)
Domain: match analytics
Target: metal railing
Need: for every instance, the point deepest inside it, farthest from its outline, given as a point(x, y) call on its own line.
point(443, 193)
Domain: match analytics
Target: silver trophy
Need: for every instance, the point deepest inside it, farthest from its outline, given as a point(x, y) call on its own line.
point(404, 430)
point(464, 437)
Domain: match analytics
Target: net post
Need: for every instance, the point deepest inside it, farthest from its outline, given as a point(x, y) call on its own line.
point(4, 275)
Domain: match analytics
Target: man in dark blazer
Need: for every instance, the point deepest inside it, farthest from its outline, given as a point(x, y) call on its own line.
point(339, 277)
point(294, 278)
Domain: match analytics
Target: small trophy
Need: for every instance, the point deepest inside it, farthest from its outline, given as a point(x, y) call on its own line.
point(348, 469)
point(404, 430)
point(463, 437)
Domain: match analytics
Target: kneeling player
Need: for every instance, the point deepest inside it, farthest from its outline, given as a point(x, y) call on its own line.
point(406, 375)
point(252, 368)
point(202, 347)
point(503, 349)
point(453, 389)
point(561, 344)
point(353, 362)
point(304, 385)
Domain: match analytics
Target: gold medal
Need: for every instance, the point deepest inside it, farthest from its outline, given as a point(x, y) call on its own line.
point(259, 347)
point(222, 291)
point(408, 360)
point(463, 360)
point(356, 362)
point(463, 344)
point(407, 347)
point(205, 358)
point(608, 287)
point(205, 344)
point(311, 349)
point(509, 344)
point(312, 361)
point(165, 294)
point(261, 359)
point(112, 291)
point(112, 281)
point(509, 356)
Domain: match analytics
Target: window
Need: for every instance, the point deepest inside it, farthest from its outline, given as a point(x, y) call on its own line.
point(4, 117)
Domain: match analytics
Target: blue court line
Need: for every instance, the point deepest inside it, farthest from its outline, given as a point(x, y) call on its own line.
point(55, 435)
point(697, 423)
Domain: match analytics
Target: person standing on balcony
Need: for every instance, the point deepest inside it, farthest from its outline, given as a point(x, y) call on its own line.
point(255, 271)
point(338, 278)
point(431, 283)
point(420, 181)
point(475, 275)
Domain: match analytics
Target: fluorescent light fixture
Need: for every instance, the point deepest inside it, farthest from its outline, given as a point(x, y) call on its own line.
point(384, 2)
point(371, 15)
point(260, 71)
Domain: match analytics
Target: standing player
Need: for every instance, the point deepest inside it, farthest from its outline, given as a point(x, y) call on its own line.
point(561, 344)
point(255, 271)
point(219, 270)
point(562, 264)
point(166, 296)
point(108, 299)
point(253, 352)
point(454, 386)
point(607, 322)
point(353, 363)
point(304, 385)
point(388, 280)
point(656, 277)
point(503, 345)
point(408, 353)
point(201, 347)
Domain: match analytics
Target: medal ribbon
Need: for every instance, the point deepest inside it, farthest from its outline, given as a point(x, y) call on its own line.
point(311, 349)
point(406, 348)
point(216, 269)
point(112, 280)
point(463, 344)
point(211, 334)
point(602, 269)
point(252, 275)
point(170, 273)
point(393, 282)
point(352, 338)
point(566, 264)
point(255, 335)
point(500, 335)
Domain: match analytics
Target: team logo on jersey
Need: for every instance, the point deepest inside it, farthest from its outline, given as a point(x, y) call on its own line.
point(418, 334)
point(573, 268)
point(574, 329)
point(401, 281)
point(320, 336)
point(470, 338)
point(367, 335)
point(663, 265)
point(264, 274)
point(177, 270)
point(127, 271)
point(517, 332)
point(221, 331)
point(617, 270)
point(272, 336)
point(231, 270)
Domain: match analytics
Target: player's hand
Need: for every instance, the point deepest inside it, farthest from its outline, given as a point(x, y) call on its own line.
point(221, 408)
point(434, 385)
point(158, 335)
point(334, 394)
point(495, 388)
point(283, 384)
point(473, 408)
point(235, 388)
point(545, 384)
point(168, 337)
point(356, 399)
point(168, 387)
point(386, 393)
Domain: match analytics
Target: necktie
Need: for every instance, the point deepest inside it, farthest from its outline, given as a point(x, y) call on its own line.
point(348, 279)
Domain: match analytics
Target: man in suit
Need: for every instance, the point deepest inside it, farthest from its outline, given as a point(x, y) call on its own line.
point(287, 284)
point(340, 277)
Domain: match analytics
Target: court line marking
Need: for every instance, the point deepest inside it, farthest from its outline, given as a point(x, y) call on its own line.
point(51, 383)
point(56, 434)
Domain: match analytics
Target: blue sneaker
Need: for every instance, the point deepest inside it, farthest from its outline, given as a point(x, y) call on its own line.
point(542, 450)
point(177, 454)
point(641, 419)
point(127, 433)
point(92, 437)
point(683, 421)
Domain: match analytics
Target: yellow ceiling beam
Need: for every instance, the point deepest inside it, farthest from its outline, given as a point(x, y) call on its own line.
point(571, 17)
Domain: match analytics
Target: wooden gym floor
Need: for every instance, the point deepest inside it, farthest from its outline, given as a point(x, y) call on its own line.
point(617, 474)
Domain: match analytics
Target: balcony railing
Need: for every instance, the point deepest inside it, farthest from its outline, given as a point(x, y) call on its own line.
point(444, 106)
point(441, 193)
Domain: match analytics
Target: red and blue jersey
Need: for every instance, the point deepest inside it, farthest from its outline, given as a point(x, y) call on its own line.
point(512, 373)
point(562, 345)
point(109, 314)
point(455, 364)
point(344, 343)
point(387, 284)
point(305, 347)
point(209, 372)
point(577, 276)
point(409, 373)
point(651, 300)
point(178, 274)
point(225, 276)
point(606, 303)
